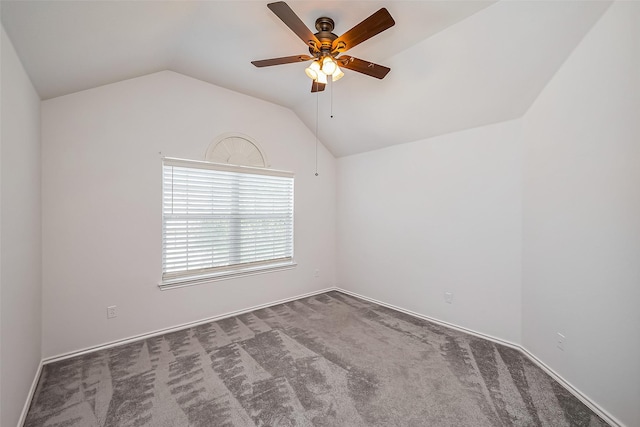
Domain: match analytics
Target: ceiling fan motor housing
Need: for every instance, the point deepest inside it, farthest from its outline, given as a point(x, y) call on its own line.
point(325, 26)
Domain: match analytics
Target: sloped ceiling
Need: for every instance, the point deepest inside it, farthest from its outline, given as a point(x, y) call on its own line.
point(455, 64)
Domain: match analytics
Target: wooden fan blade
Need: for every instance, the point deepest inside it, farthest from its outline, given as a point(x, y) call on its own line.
point(288, 16)
point(375, 24)
point(317, 87)
point(280, 61)
point(364, 67)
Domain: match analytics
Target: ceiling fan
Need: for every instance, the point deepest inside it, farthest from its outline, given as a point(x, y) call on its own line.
point(326, 48)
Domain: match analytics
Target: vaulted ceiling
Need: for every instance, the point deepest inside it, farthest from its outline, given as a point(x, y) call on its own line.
point(454, 64)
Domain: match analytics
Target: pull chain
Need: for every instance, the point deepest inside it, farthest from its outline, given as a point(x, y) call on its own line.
point(331, 94)
point(317, 116)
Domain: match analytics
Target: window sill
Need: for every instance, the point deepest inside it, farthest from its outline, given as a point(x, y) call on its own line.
point(224, 275)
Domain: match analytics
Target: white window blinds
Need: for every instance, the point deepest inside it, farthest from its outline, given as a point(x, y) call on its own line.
point(219, 217)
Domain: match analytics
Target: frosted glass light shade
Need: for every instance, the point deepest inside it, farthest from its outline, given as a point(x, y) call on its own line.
point(329, 65)
point(313, 70)
point(322, 78)
point(311, 73)
point(337, 74)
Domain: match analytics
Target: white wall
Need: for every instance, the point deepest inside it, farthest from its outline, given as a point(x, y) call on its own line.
point(450, 213)
point(543, 210)
point(582, 216)
point(102, 205)
point(439, 215)
point(20, 259)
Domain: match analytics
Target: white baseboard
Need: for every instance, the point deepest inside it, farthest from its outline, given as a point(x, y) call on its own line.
point(152, 334)
point(432, 319)
point(613, 421)
point(176, 328)
point(566, 384)
point(32, 391)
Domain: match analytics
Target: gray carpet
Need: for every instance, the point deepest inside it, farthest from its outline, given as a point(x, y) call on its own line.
point(328, 360)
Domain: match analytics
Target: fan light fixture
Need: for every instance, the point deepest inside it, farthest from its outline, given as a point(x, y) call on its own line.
point(322, 78)
point(321, 69)
point(329, 65)
point(324, 46)
point(313, 70)
point(337, 75)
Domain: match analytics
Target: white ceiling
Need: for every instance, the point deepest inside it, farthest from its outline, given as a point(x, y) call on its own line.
point(455, 64)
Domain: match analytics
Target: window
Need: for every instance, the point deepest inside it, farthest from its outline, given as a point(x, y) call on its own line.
point(221, 220)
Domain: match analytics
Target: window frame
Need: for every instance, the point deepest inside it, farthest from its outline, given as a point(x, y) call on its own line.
point(194, 277)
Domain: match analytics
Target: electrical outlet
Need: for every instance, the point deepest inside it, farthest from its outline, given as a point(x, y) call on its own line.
point(316, 273)
point(111, 312)
point(560, 341)
point(448, 297)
